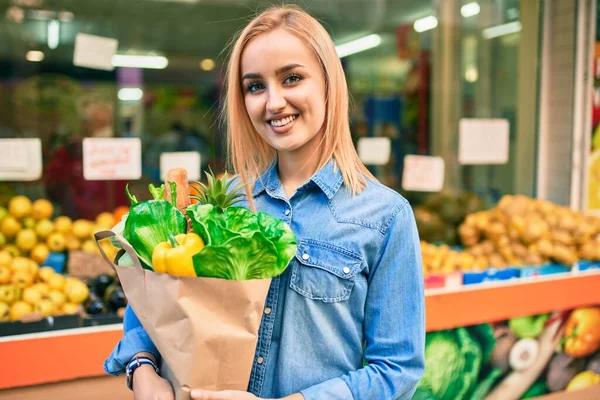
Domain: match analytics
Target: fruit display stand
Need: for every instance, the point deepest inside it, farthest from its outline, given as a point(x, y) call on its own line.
point(68, 356)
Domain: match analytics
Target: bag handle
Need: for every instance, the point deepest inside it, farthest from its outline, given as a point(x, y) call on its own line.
point(98, 236)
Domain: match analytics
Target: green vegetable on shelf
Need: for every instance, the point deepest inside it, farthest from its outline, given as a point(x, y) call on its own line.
point(528, 327)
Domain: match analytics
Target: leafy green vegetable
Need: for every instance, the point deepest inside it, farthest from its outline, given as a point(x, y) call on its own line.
point(485, 385)
point(150, 222)
point(453, 359)
point(484, 333)
point(444, 365)
point(529, 326)
point(240, 244)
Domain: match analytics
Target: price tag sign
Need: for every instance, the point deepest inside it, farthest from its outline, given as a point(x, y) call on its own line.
point(94, 51)
point(112, 158)
point(190, 160)
point(20, 159)
point(423, 173)
point(483, 141)
point(375, 150)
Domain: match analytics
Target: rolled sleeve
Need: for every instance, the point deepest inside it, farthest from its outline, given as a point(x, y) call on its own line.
point(135, 340)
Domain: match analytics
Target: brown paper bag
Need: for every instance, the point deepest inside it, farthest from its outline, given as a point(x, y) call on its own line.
point(206, 329)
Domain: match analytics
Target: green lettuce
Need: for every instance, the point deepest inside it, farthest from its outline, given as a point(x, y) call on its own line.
point(150, 222)
point(240, 244)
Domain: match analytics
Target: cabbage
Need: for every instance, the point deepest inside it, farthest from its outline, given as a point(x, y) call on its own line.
point(240, 244)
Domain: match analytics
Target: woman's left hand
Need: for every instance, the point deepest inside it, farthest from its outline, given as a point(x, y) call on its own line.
point(199, 394)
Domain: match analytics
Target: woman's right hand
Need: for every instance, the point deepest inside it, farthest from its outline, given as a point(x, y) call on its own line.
point(148, 385)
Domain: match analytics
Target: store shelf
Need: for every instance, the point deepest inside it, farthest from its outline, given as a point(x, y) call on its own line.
point(496, 301)
point(55, 356)
point(79, 353)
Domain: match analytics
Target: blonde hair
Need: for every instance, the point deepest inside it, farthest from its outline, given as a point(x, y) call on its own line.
point(249, 154)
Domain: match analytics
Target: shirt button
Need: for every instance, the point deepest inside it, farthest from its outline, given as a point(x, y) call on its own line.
point(346, 270)
point(267, 311)
point(305, 256)
point(260, 360)
point(287, 212)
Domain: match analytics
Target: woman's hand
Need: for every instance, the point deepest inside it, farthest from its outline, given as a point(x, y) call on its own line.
point(199, 394)
point(148, 385)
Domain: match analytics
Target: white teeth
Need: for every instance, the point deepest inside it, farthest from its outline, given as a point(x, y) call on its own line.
point(283, 121)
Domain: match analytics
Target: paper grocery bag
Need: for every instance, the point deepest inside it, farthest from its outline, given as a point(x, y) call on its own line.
point(206, 329)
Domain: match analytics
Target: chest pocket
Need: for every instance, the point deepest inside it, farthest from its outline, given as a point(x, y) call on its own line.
point(324, 272)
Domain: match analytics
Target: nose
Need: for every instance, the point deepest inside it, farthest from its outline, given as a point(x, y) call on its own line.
point(276, 101)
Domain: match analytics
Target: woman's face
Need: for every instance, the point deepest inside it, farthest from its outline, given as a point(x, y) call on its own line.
point(284, 92)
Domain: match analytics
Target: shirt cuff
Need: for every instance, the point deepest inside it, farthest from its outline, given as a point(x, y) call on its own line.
point(333, 389)
point(133, 342)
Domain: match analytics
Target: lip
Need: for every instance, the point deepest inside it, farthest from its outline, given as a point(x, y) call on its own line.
point(285, 128)
point(280, 116)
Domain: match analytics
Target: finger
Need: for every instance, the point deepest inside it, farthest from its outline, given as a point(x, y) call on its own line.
point(200, 394)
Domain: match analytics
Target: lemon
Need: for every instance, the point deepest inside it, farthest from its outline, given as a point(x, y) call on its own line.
point(26, 239)
point(19, 207)
point(10, 226)
point(593, 202)
point(63, 224)
point(19, 309)
point(5, 258)
point(44, 228)
point(41, 209)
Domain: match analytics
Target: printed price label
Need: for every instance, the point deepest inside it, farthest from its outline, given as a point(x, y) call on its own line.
point(112, 158)
point(423, 173)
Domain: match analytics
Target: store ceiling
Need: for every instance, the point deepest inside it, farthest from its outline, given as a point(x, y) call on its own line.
point(184, 30)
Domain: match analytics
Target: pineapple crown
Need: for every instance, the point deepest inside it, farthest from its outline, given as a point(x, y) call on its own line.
point(218, 191)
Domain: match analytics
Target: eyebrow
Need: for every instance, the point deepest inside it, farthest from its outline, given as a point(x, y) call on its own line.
point(279, 71)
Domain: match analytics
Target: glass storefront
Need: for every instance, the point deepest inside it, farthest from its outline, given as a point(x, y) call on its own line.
point(434, 63)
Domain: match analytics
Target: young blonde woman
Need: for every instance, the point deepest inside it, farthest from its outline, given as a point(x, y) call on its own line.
point(355, 287)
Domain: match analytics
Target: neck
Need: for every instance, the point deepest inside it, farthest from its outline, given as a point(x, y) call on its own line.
point(294, 170)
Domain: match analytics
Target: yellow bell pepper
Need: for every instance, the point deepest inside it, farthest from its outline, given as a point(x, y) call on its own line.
point(175, 256)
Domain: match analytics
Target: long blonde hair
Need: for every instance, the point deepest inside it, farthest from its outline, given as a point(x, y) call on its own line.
point(249, 154)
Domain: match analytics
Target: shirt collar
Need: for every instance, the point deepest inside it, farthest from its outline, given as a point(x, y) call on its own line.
point(328, 179)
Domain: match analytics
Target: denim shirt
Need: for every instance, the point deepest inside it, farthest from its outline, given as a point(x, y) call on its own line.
point(354, 290)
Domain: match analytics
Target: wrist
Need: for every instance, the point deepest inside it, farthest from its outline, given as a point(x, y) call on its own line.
point(143, 374)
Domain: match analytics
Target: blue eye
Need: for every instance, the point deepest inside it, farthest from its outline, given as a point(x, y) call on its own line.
point(254, 87)
point(294, 78)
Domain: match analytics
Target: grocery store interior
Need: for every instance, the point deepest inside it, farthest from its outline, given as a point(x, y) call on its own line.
point(483, 114)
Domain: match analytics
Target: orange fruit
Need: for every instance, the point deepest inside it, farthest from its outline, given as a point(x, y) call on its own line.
point(5, 275)
point(22, 279)
point(10, 226)
point(56, 242)
point(72, 243)
point(45, 273)
point(42, 209)
point(70, 308)
point(19, 309)
point(26, 239)
point(63, 224)
point(39, 253)
point(105, 220)
point(119, 213)
point(56, 281)
point(19, 207)
point(44, 228)
point(5, 258)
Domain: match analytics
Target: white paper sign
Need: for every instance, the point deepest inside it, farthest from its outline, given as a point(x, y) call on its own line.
point(374, 150)
point(483, 141)
point(112, 158)
point(423, 173)
point(20, 159)
point(94, 51)
point(190, 160)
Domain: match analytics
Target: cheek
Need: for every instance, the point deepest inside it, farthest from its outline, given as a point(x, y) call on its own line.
point(254, 108)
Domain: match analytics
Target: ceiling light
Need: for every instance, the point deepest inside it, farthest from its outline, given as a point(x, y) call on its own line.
point(471, 74)
point(425, 24)
point(53, 34)
point(358, 45)
point(501, 30)
point(207, 64)
point(470, 9)
point(130, 94)
point(129, 61)
point(34, 56)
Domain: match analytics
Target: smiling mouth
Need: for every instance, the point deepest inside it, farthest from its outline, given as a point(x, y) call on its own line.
point(278, 123)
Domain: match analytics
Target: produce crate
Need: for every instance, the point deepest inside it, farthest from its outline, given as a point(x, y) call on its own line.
point(492, 274)
point(585, 265)
point(52, 323)
point(547, 269)
point(444, 281)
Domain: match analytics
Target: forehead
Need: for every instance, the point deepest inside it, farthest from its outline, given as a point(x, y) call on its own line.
point(269, 51)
